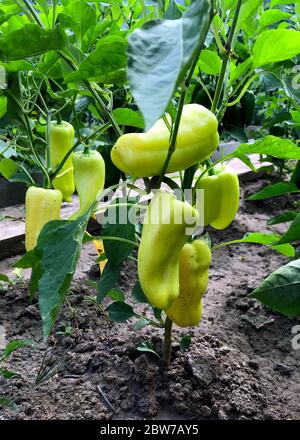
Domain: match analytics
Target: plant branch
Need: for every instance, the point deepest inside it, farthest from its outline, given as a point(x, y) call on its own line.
point(226, 54)
point(61, 164)
point(167, 342)
point(184, 89)
point(33, 13)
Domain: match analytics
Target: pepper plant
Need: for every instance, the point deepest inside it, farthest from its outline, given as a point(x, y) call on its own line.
point(131, 77)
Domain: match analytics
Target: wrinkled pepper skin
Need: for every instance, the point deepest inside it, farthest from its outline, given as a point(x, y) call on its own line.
point(42, 206)
point(221, 197)
point(163, 236)
point(89, 172)
point(194, 262)
point(144, 154)
point(61, 140)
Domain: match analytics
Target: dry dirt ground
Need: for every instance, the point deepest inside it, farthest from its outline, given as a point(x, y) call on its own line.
point(241, 364)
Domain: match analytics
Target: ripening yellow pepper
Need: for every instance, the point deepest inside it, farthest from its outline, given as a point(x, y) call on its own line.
point(42, 206)
point(163, 236)
point(194, 262)
point(144, 154)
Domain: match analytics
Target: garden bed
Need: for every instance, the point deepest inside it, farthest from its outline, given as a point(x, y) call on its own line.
point(241, 364)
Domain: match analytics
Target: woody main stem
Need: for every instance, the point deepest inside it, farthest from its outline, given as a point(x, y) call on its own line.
point(167, 342)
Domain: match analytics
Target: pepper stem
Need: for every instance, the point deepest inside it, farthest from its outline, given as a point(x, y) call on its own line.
point(167, 342)
point(86, 150)
point(58, 117)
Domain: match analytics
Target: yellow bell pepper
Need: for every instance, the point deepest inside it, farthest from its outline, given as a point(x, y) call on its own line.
point(163, 236)
point(61, 139)
point(42, 205)
point(194, 261)
point(144, 154)
point(221, 196)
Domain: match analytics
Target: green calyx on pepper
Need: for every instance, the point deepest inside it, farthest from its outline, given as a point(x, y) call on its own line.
point(221, 196)
point(61, 140)
point(89, 172)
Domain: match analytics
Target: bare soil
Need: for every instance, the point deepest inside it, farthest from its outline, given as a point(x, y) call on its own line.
point(241, 364)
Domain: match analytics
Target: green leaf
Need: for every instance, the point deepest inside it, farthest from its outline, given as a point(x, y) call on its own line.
point(248, 15)
point(269, 240)
point(147, 347)
point(141, 323)
point(185, 342)
point(265, 51)
point(282, 2)
point(15, 345)
point(173, 12)
point(8, 168)
point(159, 54)
point(15, 102)
point(270, 146)
point(277, 118)
point(120, 311)
point(281, 218)
point(3, 106)
point(5, 402)
point(117, 225)
point(210, 62)
point(275, 190)
point(30, 40)
point(4, 278)
point(281, 290)
point(106, 64)
point(107, 281)
point(138, 294)
point(83, 16)
point(237, 72)
point(271, 16)
point(293, 233)
point(116, 295)
point(290, 79)
point(16, 66)
point(128, 117)
point(7, 374)
point(54, 261)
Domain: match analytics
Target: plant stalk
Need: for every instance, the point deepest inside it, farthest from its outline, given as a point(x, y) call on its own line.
point(167, 342)
point(226, 54)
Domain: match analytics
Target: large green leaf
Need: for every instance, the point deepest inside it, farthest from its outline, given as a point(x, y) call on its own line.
point(275, 190)
point(53, 262)
point(281, 290)
point(29, 41)
point(270, 146)
point(106, 64)
point(269, 240)
point(159, 54)
point(275, 45)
